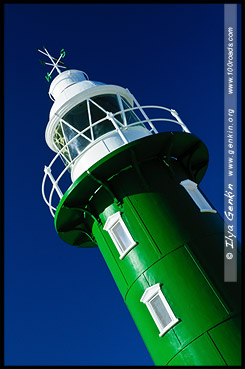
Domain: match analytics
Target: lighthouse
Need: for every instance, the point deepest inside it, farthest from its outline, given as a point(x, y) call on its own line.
point(133, 191)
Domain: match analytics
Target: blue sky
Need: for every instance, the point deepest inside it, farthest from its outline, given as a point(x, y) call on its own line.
point(62, 306)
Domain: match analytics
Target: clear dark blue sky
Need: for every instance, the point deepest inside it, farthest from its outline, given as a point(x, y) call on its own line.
point(62, 306)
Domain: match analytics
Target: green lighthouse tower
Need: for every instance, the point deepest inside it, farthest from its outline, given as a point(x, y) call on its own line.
point(135, 195)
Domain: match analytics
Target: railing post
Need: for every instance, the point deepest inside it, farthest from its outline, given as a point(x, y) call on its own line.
point(175, 114)
point(47, 171)
point(111, 118)
point(122, 108)
point(145, 115)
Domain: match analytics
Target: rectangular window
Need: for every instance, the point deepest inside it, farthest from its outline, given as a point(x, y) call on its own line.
point(119, 234)
point(159, 308)
point(197, 197)
point(160, 311)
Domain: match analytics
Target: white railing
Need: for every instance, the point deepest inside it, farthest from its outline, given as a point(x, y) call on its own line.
point(119, 128)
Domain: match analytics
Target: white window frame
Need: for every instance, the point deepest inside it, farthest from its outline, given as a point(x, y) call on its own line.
point(197, 196)
point(113, 220)
point(147, 297)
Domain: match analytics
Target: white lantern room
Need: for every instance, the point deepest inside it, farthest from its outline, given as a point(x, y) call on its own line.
point(89, 119)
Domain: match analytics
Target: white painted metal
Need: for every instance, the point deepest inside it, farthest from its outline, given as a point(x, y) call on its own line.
point(176, 115)
point(104, 146)
point(64, 80)
point(75, 94)
point(144, 114)
point(147, 298)
point(54, 63)
point(99, 148)
point(47, 170)
point(125, 242)
point(192, 189)
point(71, 88)
point(111, 141)
point(121, 108)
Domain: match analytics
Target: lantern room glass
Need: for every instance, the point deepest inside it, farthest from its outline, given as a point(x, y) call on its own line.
point(82, 119)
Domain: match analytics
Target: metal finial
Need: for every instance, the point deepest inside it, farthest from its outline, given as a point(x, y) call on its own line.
point(55, 62)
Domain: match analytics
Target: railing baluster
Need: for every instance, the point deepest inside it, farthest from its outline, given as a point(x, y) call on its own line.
point(55, 185)
point(118, 128)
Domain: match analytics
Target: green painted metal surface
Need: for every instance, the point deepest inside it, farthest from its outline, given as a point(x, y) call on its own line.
point(173, 241)
point(201, 352)
point(188, 293)
point(227, 337)
point(112, 262)
point(162, 349)
point(189, 150)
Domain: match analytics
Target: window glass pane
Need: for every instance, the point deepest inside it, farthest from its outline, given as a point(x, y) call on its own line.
point(60, 142)
point(160, 311)
point(121, 236)
point(101, 128)
point(130, 115)
point(59, 139)
point(108, 103)
point(78, 144)
point(78, 118)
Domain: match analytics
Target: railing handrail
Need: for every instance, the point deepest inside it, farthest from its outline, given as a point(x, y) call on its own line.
point(118, 127)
